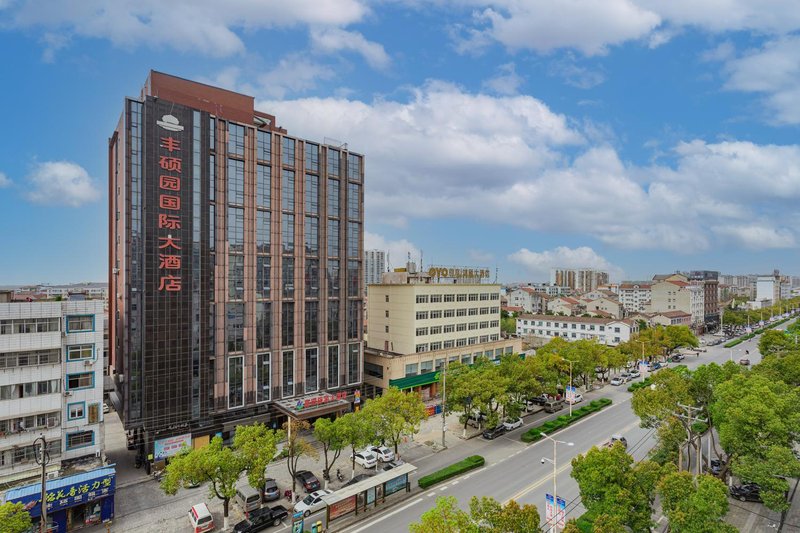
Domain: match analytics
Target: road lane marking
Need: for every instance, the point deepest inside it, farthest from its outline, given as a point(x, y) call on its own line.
point(536, 484)
point(384, 517)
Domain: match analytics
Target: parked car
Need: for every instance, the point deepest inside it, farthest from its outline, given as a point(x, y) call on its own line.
point(393, 464)
point(261, 519)
point(625, 375)
point(308, 480)
point(578, 399)
point(747, 492)
point(512, 423)
point(634, 374)
point(744, 361)
point(551, 406)
point(476, 420)
point(365, 458)
point(678, 357)
point(538, 400)
point(106, 409)
point(715, 466)
point(383, 453)
point(311, 503)
point(656, 366)
point(200, 518)
point(356, 479)
point(615, 439)
point(271, 491)
point(494, 432)
point(617, 381)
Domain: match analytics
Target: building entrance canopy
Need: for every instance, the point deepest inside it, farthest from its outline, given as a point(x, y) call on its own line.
point(313, 405)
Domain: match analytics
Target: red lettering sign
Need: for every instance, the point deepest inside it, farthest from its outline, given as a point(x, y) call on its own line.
point(169, 262)
point(169, 183)
point(170, 284)
point(169, 221)
point(171, 144)
point(170, 163)
point(169, 242)
point(167, 201)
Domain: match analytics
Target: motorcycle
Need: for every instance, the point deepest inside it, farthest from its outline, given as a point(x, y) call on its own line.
point(339, 475)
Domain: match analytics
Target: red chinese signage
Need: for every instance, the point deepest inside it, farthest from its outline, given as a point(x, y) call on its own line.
point(341, 508)
point(319, 400)
point(169, 202)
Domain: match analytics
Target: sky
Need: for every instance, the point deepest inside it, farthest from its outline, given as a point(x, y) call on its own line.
point(635, 136)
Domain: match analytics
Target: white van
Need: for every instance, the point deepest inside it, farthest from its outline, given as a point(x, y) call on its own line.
point(249, 498)
point(201, 518)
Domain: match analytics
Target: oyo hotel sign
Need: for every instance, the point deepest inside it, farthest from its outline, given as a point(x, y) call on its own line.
point(458, 272)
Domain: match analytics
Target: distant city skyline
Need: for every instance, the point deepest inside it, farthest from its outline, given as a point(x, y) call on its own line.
point(649, 137)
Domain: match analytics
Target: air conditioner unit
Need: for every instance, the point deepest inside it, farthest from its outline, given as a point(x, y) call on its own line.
point(67, 393)
point(88, 362)
point(52, 475)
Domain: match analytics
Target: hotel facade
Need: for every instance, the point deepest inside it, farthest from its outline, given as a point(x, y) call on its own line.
point(235, 268)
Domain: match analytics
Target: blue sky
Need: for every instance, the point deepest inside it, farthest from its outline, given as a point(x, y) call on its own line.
point(633, 135)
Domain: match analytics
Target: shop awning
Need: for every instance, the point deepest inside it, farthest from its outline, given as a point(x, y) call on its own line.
point(66, 491)
point(314, 405)
point(419, 380)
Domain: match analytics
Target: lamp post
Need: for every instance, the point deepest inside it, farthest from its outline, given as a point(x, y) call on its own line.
point(570, 361)
point(555, 474)
point(43, 458)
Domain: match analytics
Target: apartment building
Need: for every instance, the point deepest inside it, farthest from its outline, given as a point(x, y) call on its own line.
point(578, 279)
point(605, 330)
point(417, 325)
point(635, 295)
point(51, 384)
point(708, 281)
point(528, 299)
point(374, 266)
point(603, 307)
point(675, 293)
point(566, 305)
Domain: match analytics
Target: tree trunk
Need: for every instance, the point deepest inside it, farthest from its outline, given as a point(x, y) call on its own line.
point(225, 505)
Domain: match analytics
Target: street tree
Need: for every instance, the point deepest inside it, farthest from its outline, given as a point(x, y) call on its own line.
point(694, 505)
point(358, 431)
point(781, 366)
point(611, 485)
point(14, 518)
point(774, 341)
point(395, 413)
point(679, 337)
point(445, 517)
point(463, 390)
point(215, 463)
point(492, 517)
point(297, 446)
point(331, 434)
point(258, 445)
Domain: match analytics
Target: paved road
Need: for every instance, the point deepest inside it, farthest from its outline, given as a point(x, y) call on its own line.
point(515, 471)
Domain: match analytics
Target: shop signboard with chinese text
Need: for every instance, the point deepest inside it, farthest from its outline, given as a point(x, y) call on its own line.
point(170, 446)
point(62, 493)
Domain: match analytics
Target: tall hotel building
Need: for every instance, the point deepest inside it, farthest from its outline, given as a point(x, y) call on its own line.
point(235, 277)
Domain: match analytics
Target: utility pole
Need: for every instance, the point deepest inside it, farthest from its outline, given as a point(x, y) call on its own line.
point(690, 418)
point(43, 458)
point(444, 400)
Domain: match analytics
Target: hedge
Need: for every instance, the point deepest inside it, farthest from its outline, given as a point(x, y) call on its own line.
point(749, 336)
point(453, 470)
point(534, 434)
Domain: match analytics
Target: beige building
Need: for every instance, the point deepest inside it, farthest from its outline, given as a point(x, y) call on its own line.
point(604, 330)
point(417, 325)
point(675, 293)
point(605, 307)
point(672, 318)
point(566, 306)
point(635, 295)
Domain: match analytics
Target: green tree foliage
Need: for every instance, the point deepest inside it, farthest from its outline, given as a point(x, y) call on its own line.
point(219, 465)
point(781, 367)
point(775, 341)
point(331, 434)
point(660, 400)
point(358, 432)
point(258, 446)
point(486, 515)
point(610, 484)
point(394, 414)
point(445, 517)
point(14, 518)
point(508, 325)
point(694, 506)
point(296, 447)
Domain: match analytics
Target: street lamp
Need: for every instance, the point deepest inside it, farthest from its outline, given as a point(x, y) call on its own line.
point(555, 473)
point(570, 361)
point(43, 458)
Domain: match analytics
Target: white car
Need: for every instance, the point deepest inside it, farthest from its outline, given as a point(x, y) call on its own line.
point(512, 423)
point(578, 398)
point(366, 458)
point(617, 381)
point(384, 454)
point(312, 503)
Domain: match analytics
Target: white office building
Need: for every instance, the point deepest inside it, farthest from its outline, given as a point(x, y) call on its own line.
point(374, 266)
point(604, 330)
point(51, 384)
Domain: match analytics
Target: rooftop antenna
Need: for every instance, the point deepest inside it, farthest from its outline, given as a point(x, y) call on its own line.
point(388, 262)
point(496, 273)
point(420, 260)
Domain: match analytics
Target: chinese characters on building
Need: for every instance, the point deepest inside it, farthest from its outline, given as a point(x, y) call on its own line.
point(169, 204)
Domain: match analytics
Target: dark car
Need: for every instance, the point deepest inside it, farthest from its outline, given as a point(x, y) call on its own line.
point(309, 481)
point(749, 492)
point(359, 477)
point(715, 466)
point(538, 400)
point(261, 519)
point(494, 432)
point(656, 366)
point(393, 464)
point(271, 491)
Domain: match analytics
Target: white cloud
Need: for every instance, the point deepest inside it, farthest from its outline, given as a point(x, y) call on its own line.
point(575, 75)
point(757, 236)
point(293, 75)
point(480, 256)
point(538, 264)
point(61, 183)
point(332, 40)
point(203, 26)
point(506, 82)
point(398, 250)
point(762, 16)
point(5, 181)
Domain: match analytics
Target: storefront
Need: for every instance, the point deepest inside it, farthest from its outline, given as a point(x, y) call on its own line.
point(73, 501)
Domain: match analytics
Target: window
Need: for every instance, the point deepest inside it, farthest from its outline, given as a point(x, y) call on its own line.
point(422, 298)
point(333, 238)
point(236, 135)
point(234, 327)
point(411, 369)
point(75, 324)
point(425, 366)
point(235, 181)
point(287, 152)
point(333, 162)
point(484, 338)
point(436, 298)
point(80, 439)
point(422, 315)
point(236, 277)
point(353, 201)
point(263, 325)
point(473, 325)
point(494, 324)
point(30, 358)
point(287, 233)
point(287, 324)
point(353, 363)
point(353, 315)
point(312, 194)
point(353, 279)
point(311, 381)
point(212, 133)
point(461, 312)
point(312, 278)
point(449, 297)
point(36, 325)
point(436, 314)
point(263, 186)
point(436, 330)
point(353, 167)
point(461, 297)
point(26, 390)
point(353, 237)
point(461, 342)
point(333, 198)
point(288, 373)
point(235, 381)
point(461, 327)
point(448, 344)
point(436, 346)
point(466, 359)
point(263, 270)
point(473, 297)
point(80, 352)
point(484, 310)
point(264, 145)
point(76, 410)
point(312, 323)
point(312, 235)
point(262, 232)
point(439, 363)
point(484, 296)
point(84, 380)
point(422, 347)
point(422, 332)
point(333, 367)
point(449, 328)
point(287, 190)
point(333, 278)
point(333, 321)
point(449, 313)
point(312, 157)
point(236, 229)
point(263, 377)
